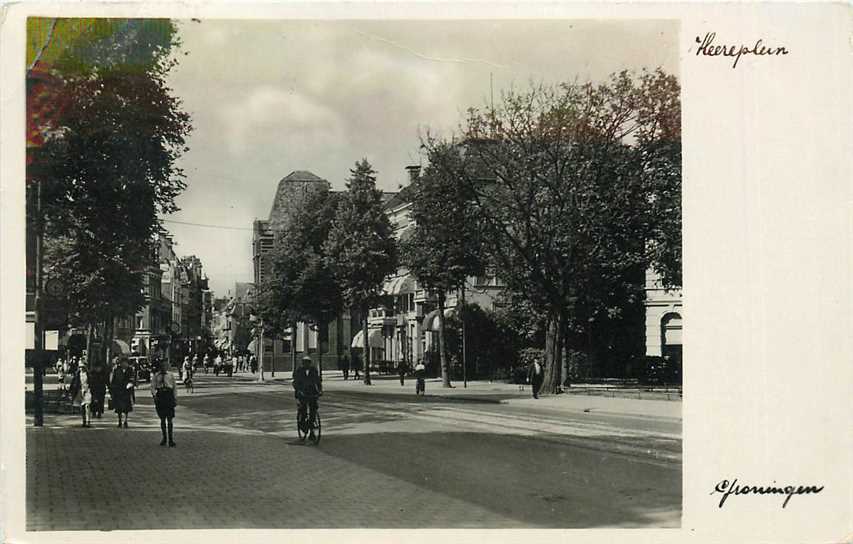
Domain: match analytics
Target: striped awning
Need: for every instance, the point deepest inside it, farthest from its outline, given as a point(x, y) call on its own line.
point(400, 285)
point(376, 339)
point(120, 346)
point(430, 322)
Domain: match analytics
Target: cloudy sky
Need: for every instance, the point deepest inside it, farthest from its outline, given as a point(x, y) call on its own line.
point(268, 98)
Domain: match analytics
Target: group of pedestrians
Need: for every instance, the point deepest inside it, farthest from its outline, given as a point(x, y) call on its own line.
point(219, 363)
point(87, 389)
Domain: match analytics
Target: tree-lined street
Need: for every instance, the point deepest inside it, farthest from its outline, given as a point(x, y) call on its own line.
point(483, 457)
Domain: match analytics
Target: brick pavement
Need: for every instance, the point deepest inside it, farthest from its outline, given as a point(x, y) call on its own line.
point(383, 462)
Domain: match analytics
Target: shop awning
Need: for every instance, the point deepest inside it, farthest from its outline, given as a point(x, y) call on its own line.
point(120, 346)
point(430, 322)
point(399, 285)
point(376, 339)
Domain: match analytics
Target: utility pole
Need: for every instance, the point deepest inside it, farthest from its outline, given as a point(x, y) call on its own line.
point(38, 362)
point(462, 319)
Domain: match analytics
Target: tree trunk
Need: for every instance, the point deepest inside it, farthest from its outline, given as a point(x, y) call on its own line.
point(366, 349)
point(552, 383)
point(108, 339)
point(90, 332)
point(442, 352)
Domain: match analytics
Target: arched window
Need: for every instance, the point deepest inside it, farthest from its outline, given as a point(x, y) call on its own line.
point(671, 329)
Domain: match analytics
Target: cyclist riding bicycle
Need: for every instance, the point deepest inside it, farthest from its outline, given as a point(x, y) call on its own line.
point(307, 387)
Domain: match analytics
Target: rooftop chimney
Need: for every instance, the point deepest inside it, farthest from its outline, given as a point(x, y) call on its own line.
point(414, 173)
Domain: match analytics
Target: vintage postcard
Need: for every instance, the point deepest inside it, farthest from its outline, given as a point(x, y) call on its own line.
point(410, 271)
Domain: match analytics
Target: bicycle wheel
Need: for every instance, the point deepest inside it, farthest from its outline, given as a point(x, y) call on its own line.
point(301, 431)
point(315, 430)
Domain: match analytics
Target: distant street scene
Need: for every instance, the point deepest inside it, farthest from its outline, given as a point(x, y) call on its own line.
point(422, 274)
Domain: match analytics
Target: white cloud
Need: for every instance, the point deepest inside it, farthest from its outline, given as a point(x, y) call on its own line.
point(270, 111)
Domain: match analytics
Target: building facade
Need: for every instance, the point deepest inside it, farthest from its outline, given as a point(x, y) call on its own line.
point(326, 344)
point(664, 315)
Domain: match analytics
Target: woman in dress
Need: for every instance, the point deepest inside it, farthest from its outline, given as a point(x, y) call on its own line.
point(121, 383)
point(60, 374)
point(83, 394)
point(165, 399)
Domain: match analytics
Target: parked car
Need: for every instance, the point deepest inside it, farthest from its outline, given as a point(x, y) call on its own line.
point(142, 366)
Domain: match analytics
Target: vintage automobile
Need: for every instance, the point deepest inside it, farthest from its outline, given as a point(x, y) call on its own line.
point(142, 366)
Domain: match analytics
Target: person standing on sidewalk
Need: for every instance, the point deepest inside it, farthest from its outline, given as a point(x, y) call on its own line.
point(536, 376)
point(121, 383)
point(82, 394)
point(165, 395)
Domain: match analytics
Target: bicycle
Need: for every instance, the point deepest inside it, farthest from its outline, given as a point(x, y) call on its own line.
point(308, 429)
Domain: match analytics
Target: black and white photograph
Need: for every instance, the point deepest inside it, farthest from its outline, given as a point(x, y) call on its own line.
point(416, 272)
point(412, 273)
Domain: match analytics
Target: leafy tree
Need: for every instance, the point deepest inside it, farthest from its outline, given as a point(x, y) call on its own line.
point(106, 161)
point(565, 179)
point(303, 286)
point(361, 250)
point(445, 247)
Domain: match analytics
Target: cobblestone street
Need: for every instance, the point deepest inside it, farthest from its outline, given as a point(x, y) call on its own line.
point(387, 459)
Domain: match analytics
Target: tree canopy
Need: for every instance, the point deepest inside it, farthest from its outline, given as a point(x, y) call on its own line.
point(105, 160)
point(361, 250)
point(577, 187)
point(445, 247)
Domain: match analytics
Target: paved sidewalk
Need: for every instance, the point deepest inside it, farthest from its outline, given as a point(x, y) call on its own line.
point(504, 393)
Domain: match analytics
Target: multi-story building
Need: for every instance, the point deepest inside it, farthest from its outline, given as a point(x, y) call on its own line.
point(405, 329)
point(195, 312)
point(151, 334)
point(664, 313)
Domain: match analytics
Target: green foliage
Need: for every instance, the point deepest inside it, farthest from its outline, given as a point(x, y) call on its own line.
point(578, 189)
point(361, 250)
point(491, 346)
point(445, 247)
point(108, 164)
point(303, 286)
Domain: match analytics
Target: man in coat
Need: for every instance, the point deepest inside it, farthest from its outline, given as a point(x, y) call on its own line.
point(536, 376)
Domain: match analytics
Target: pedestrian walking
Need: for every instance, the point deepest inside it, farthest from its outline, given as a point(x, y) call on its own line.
point(165, 399)
point(345, 365)
point(61, 367)
point(356, 366)
point(217, 365)
point(254, 364)
point(82, 394)
point(186, 376)
point(121, 384)
point(420, 377)
point(401, 369)
point(206, 362)
point(536, 376)
point(98, 384)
